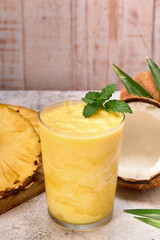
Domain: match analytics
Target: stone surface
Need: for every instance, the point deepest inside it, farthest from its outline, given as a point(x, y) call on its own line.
point(30, 220)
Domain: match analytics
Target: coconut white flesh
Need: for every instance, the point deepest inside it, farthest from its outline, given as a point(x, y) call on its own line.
point(140, 155)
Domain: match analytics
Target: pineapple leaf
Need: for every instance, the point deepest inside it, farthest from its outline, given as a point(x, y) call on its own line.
point(132, 86)
point(151, 213)
point(155, 70)
point(150, 221)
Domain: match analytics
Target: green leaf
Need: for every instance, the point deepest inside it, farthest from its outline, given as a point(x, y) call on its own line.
point(132, 86)
point(117, 106)
point(150, 221)
point(108, 91)
point(155, 71)
point(90, 109)
point(91, 97)
point(151, 213)
point(95, 100)
point(149, 216)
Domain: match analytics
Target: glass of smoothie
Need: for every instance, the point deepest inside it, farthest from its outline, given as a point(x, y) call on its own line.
point(80, 159)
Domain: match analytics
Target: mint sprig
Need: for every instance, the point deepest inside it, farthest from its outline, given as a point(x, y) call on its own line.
point(97, 100)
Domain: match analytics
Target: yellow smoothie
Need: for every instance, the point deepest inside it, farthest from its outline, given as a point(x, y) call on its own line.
point(80, 157)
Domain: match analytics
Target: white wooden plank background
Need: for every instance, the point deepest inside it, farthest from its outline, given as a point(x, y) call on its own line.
point(47, 32)
point(69, 44)
point(90, 44)
point(156, 33)
point(11, 45)
point(134, 37)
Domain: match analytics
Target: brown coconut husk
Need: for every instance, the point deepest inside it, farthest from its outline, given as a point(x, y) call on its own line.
point(146, 80)
point(143, 185)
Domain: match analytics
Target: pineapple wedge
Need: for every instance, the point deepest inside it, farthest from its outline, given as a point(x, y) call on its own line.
point(27, 113)
point(19, 150)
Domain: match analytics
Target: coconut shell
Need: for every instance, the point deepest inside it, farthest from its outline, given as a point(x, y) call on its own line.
point(140, 185)
point(145, 184)
point(146, 80)
point(142, 99)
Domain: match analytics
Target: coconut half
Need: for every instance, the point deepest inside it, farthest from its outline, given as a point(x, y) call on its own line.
point(140, 156)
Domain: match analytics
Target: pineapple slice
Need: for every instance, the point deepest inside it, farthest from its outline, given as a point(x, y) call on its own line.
point(19, 150)
point(27, 113)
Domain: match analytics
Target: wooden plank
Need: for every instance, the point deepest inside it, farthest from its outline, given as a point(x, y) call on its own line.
point(36, 187)
point(109, 31)
point(69, 44)
point(90, 43)
point(156, 33)
point(47, 30)
point(11, 45)
point(135, 37)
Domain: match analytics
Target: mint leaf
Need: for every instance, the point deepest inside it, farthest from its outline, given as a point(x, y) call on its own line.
point(117, 106)
point(108, 91)
point(91, 97)
point(95, 100)
point(90, 109)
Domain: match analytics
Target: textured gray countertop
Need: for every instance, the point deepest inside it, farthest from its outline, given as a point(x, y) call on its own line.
point(30, 220)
